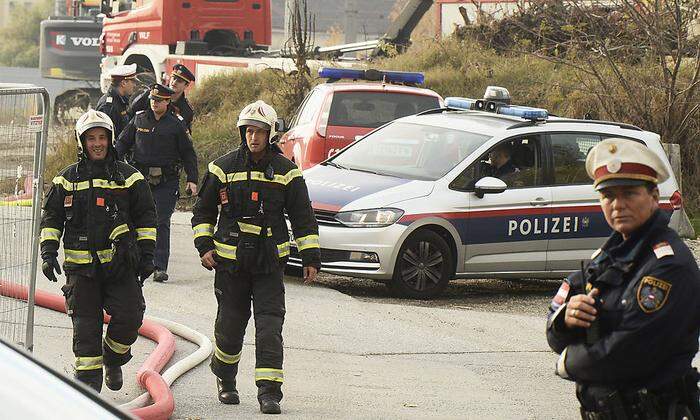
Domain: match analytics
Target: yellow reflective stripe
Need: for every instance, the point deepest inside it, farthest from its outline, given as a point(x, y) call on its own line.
point(77, 257)
point(283, 250)
point(118, 231)
point(267, 374)
point(49, 234)
point(105, 255)
point(203, 229)
point(215, 170)
point(225, 251)
point(255, 230)
point(256, 176)
point(88, 363)
point(225, 357)
point(306, 242)
point(116, 346)
point(145, 234)
point(97, 183)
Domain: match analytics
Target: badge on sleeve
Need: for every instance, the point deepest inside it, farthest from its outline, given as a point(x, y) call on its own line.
point(652, 294)
point(68, 201)
point(561, 295)
point(663, 249)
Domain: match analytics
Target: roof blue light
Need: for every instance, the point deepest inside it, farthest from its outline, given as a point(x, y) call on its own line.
point(524, 112)
point(460, 103)
point(370, 74)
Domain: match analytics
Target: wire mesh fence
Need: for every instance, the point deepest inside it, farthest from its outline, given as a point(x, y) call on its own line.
point(24, 116)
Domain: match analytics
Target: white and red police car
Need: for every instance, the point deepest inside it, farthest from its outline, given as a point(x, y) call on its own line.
point(479, 189)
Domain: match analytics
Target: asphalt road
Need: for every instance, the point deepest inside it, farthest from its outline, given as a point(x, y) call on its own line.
point(351, 351)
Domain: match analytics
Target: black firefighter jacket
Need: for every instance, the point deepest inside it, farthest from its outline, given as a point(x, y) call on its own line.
point(253, 198)
point(649, 311)
point(104, 210)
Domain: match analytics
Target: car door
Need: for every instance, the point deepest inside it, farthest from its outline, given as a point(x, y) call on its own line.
point(505, 232)
point(581, 226)
point(301, 144)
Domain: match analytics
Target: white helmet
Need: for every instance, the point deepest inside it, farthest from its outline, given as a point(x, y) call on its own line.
point(92, 119)
point(259, 114)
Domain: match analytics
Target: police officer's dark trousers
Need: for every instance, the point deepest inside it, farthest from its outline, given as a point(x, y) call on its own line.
point(234, 291)
point(165, 196)
point(86, 297)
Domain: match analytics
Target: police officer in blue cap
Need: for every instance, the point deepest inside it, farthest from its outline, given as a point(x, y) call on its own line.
point(161, 147)
point(626, 326)
point(180, 79)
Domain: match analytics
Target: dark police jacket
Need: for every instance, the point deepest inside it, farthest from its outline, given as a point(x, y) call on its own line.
point(116, 107)
point(180, 108)
point(253, 198)
point(160, 143)
point(649, 312)
point(98, 207)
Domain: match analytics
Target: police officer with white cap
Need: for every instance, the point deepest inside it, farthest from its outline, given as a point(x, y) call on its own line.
point(115, 102)
point(626, 326)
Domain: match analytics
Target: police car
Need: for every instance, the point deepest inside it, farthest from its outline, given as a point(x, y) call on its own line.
point(478, 189)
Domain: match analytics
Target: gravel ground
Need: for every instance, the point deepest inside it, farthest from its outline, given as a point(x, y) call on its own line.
point(526, 296)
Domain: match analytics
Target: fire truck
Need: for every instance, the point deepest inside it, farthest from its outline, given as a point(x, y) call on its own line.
point(214, 36)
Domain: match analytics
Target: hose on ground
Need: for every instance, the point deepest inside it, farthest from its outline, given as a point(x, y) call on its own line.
point(184, 365)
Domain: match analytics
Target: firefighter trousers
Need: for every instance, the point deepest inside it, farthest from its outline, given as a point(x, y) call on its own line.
point(86, 297)
point(234, 292)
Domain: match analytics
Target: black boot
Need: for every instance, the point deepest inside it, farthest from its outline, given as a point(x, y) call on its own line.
point(227, 391)
point(270, 406)
point(91, 378)
point(113, 377)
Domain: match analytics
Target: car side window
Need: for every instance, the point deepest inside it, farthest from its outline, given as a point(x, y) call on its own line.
point(311, 107)
point(517, 162)
point(569, 151)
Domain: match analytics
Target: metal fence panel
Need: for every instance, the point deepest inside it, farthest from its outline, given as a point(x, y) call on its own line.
point(24, 118)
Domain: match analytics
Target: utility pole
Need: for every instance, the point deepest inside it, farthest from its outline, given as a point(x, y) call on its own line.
point(351, 16)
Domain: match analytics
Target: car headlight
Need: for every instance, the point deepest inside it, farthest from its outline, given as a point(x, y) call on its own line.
point(369, 218)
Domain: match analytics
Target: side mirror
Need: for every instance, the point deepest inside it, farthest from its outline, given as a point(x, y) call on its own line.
point(489, 185)
point(281, 125)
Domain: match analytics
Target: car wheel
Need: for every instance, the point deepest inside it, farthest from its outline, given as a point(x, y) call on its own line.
point(423, 266)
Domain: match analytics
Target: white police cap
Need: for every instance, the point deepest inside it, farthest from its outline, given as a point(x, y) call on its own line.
point(124, 72)
point(616, 161)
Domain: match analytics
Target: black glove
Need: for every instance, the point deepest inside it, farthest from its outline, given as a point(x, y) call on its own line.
point(48, 266)
point(145, 269)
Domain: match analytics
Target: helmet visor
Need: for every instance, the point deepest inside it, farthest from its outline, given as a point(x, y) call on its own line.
point(254, 123)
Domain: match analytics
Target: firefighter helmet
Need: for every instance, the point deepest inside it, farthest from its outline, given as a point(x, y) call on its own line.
point(92, 119)
point(259, 114)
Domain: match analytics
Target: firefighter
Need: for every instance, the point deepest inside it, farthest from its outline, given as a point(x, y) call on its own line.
point(180, 79)
point(627, 325)
point(105, 212)
point(115, 102)
point(254, 185)
point(161, 146)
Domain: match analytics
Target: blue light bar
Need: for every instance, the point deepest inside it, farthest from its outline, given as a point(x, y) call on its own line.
point(525, 112)
point(460, 103)
point(370, 74)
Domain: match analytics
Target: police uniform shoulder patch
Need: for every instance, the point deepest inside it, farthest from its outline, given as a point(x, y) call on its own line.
point(179, 117)
point(109, 100)
point(663, 249)
point(561, 295)
point(596, 253)
point(652, 294)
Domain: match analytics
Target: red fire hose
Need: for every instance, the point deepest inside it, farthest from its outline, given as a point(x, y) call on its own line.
point(147, 376)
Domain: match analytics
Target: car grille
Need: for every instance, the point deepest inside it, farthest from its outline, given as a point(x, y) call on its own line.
point(326, 218)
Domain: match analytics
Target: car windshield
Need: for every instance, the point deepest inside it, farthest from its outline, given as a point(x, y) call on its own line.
point(374, 109)
point(410, 151)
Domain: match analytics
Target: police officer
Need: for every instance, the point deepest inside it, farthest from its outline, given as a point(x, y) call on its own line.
point(115, 102)
point(254, 185)
point(180, 79)
point(160, 146)
point(626, 326)
point(105, 212)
